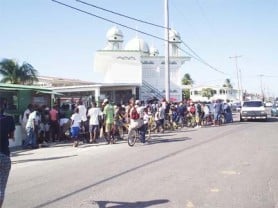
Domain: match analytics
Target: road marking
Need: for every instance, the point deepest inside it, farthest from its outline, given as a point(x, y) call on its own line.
point(215, 190)
point(230, 172)
point(189, 204)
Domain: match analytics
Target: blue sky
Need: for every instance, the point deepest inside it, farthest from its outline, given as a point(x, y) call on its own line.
point(59, 41)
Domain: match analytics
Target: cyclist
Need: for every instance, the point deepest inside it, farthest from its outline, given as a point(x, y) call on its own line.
point(135, 115)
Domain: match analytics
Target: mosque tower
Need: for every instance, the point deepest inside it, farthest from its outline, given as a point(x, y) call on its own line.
point(114, 39)
point(174, 43)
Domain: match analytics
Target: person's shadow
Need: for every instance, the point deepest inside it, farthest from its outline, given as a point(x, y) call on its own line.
point(118, 204)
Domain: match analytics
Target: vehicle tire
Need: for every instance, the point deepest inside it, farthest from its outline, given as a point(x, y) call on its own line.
point(132, 137)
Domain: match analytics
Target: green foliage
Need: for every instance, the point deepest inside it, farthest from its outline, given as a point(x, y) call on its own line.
point(207, 92)
point(186, 94)
point(14, 73)
point(228, 83)
point(187, 80)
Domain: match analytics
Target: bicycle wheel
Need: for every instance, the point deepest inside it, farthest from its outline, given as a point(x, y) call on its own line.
point(132, 137)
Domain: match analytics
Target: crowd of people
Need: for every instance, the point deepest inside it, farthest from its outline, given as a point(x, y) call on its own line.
point(90, 123)
point(43, 124)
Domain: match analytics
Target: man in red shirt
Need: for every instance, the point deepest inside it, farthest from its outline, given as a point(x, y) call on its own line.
point(54, 123)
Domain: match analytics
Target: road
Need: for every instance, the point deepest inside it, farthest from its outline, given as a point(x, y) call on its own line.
point(232, 166)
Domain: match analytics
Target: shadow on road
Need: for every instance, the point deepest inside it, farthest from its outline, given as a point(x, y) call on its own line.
point(215, 137)
point(156, 141)
point(41, 159)
point(118, 204)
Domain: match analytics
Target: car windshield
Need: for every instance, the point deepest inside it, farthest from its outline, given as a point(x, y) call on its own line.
point(252, 104)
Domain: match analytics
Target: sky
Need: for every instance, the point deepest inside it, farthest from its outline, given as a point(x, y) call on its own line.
point(61, 42)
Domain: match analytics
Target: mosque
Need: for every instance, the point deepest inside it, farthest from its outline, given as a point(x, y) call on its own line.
point(137, 63)
point(131, 69)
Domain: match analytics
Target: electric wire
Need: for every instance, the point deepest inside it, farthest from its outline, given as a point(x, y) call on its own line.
point(122, 15)
point(198, 58)
point(108, 20)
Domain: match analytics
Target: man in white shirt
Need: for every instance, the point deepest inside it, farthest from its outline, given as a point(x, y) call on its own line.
point(95, 115)
point(30, 129)
point(82, 111)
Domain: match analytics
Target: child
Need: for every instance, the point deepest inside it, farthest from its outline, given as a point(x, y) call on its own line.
point(75, 126)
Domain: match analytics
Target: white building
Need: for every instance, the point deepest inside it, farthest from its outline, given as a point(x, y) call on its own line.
point(136, 63)
point(223, 93)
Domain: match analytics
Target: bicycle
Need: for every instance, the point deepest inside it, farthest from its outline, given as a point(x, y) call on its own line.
point(118, 132)
point(133, 136)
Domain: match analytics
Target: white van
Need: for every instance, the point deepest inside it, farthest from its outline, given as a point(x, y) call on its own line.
point(253, 109)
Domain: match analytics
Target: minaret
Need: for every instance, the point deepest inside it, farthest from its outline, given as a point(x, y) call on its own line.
point(114, 39)
point(174, 42)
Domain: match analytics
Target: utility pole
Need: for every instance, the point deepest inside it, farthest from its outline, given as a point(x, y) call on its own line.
point(238, 73)
point(167, 74)
point(261, 84)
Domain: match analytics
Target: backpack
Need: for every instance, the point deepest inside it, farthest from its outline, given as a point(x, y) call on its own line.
point(134, 114)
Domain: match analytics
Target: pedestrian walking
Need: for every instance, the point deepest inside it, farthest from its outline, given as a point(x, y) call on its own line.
point(7, 127)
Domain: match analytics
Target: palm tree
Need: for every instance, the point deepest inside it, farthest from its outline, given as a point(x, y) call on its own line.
point(228, 83)
point(187, 80)
point(13, 73)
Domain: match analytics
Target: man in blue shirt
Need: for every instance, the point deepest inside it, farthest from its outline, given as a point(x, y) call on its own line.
point(7, 128)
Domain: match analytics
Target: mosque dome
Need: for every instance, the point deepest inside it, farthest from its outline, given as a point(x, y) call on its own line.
point(137, 44)
point(174, 36)
point(114, 34)
point(153, 51)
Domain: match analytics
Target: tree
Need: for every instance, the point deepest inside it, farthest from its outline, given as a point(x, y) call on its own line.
point(186, 94)
point(207, 92)
point(14, 73)
point(228, 83)
point(187, 80)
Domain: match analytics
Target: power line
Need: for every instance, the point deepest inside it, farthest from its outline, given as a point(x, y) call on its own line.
point(198, 58)
point(122, 15)
point(108, 20)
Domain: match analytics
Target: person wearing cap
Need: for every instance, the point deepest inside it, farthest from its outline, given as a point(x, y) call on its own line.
point(7, 127)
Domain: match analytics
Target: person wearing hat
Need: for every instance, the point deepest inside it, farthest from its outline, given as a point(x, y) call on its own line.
point(7, 127)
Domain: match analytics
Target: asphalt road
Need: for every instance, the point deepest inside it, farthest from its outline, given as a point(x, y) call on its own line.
point(232, 166)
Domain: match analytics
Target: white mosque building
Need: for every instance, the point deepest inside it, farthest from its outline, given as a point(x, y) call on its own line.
point(136, 63)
